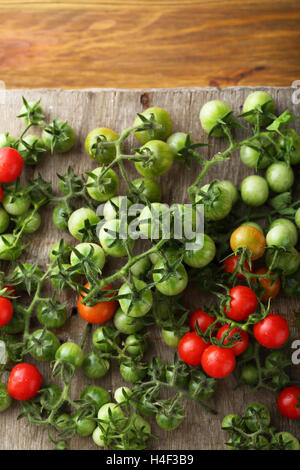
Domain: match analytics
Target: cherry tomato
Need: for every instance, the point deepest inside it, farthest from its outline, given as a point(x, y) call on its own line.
point(98, 395)
point(102, 187)
point(293, 232)
point(230, 265)
point(287, 401)
point(272, 331)
point(287, 261)
point(127, 325)
point(203, 256)
point(280, 177)
point(257, 99)
point(77, 220)
point(110, 240)
point(254, 190)
point(204, 320)
point(59, 136)
point(6, 311)
point(161, 117)
point(162, 159)
point(95, 145)
point(253, 158)
point(218, 202)
point(149, 188)
point(290, 135)
point(241, 345)
point(24, 382)
point(99, 313)
point(271, 287)
point(71, 353)
point(191, 348)
point(16, 204)
point(210, 113)
point(249, 237)
point(174, 284)
point(218, 362)
point(11, 165)
point(31, 149)
point(88, 250)
point(243, 303)
point(140, 306)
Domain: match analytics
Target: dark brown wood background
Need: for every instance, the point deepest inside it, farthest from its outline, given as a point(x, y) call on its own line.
point(142, 43)
point(86, 110)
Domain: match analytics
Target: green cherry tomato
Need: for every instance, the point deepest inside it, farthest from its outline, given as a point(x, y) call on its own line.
point(109, 412)
point(127, 324)
point(90, 251)
point(31, 149)
point(78, 219)
point(84, 426)
point(32, 113)
point(95, 394)
point(110, 240)
point(255, 414)
point(199, 258)
point(293, 232)
point(4, 220)
point(230, 187)
point(288, 262)
point(5, 398)
point(279, 236)
point(102, 188)
point(253, 158)
point(63, 253)
point(217, 201)
point(254, 190)
point(122, 394)
point(201, 387)
point(285, 441)
point(249, 374)
point(276, 361)
point(170, 338)
point(280, 177)
point(50, 396)
point(161, 157)
point(99, 145)
point(10, 247)
point(181, 145)
point(229, 420)
point(95, 367)
point(102, 338)
point(160, 117)
point(59, 136)
point(136, 307)
point(42, 345)
point(98, 437)
point(33, 222)
point(157, 213)
point(257, 99)
point(6, 140)
point(290, 136)
point(70, 353)
point(149, 188)
point(16, 204)
point(297, 218)
point(112, 208)
point(141, 267)
point(168, 422)
point(210, 114)
point(132, 372)
point(60, 217)
point(174, 284)
point(136, 345)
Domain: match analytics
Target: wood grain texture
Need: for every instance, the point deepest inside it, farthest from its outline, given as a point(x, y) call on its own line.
point(168, 43)
point(86, 110)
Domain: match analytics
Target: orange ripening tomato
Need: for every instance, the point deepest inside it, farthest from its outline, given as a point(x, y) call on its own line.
point(99, 313)
point(249, 237)
point(271, 286)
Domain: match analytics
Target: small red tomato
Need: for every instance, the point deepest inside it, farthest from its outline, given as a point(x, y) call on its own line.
point(101, 312)
point(230, 265)
point(242, 304)
point(6, 311)
point(11, 165)
point(24, 382)
point(190, 349)
point(287, 401)
point(241, 345)
point(1, 193)
point(204, 320)
point(218, 362)
point(272, 331)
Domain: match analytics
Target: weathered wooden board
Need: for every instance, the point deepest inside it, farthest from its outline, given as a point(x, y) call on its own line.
point(116, 109)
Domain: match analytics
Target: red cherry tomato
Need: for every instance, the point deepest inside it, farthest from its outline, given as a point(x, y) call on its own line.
point(204, 320)
point(190, 349)
point(272, 331)
point(243, 303)
point(230, 265)
point(11, 165)
point(287, 401)
point(241, 345)
point(24, 382)
point(6, 311)
point(218, 362)
point(99, 313)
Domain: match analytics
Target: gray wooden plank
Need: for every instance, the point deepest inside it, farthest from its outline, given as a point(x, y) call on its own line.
point(85, 110)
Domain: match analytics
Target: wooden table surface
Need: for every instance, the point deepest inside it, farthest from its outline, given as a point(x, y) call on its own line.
point(116, 109)
point(142, 43)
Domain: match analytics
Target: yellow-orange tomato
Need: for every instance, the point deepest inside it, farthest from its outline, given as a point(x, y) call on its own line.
point(99, 313)
point(249, 237)
point(271, 286)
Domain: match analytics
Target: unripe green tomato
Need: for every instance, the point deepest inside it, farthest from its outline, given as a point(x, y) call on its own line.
point(93, 147)
point(95, 394)
point(254, 190)
point(132, 372)
point(84, 426)
point(161, 117)
point(7, 253)
point(142, 305)
point(35, 116)
point(88, 250)
point(174, 284)
point(288, 262)
point(151, 189)
point(43, 345)
point(4, 220)
point(16, 204)
point(106, 188)
point(63, 256)
point(289, 441)
point(152, 220)
point(136, 345)
point(251, 157)
point(289, 225)
point(110, 241)
point(259, 98)
point(279, 236)
point(210, 113)
point(203, 256)
point(31, 157)
point(125, 324)
point(6, 140)
point(295, 150)
point(170, 338)
point(32, 225)
point(51, 318)
point(119, 395)
point(177, 142)
point(232, 189)
point(255, 414)
point(280, 177)
point(101, 337)
point(112, 208)
point(141, 267)
point(98, 437)
point(60, 217)
point(70, 353)
point(162, 159)
point(55, 141)
point(249, 374)
point(228, 421)
point(297, 217)
point(77, 220)
point(95, 367)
